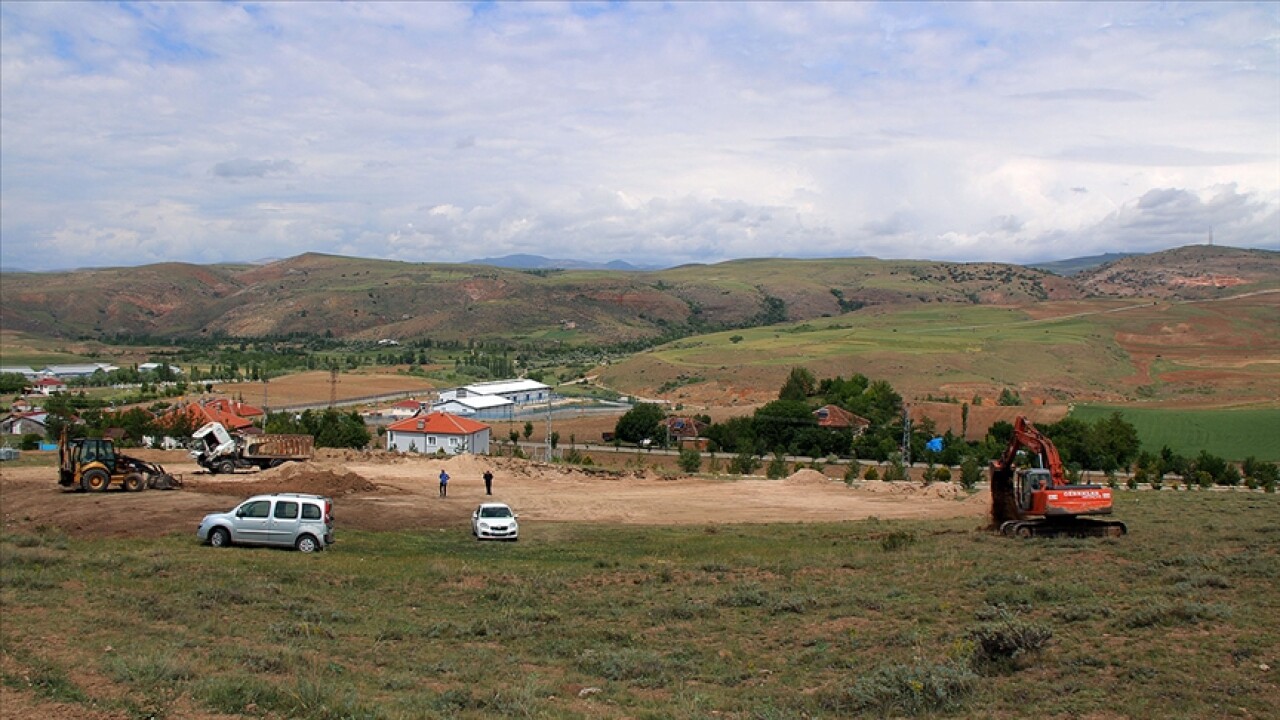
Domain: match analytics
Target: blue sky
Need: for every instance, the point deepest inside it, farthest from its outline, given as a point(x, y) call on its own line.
point(648, 132)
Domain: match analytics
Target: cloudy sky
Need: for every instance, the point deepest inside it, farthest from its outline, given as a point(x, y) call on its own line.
point(648, 132)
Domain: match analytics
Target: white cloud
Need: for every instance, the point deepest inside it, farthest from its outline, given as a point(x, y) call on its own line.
point(647, 132)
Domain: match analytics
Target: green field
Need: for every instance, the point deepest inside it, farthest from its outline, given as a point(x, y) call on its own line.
point(1234, 434)
point(863, 619)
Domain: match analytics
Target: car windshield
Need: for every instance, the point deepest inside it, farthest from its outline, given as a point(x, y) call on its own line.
point(495, 512)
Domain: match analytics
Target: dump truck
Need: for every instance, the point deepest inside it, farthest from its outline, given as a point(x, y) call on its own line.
point(92, 464)
point(220, 451)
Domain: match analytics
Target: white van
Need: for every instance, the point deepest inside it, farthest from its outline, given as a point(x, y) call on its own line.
point(294, 520)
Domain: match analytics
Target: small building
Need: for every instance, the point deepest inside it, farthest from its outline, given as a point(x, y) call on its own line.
point(520, 391)
point(23, 370)
point(436, 431)
point(24, 423)
point(405, 409)
point(155, 367)
point(477, 407)
point(75, 371)
point(48, 386)
point(837, 418)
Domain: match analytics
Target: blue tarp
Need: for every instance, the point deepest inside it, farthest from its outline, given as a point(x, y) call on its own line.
point(934, 445)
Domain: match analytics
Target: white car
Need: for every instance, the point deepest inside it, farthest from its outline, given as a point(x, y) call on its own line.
point(494, 521)
point(290, 519)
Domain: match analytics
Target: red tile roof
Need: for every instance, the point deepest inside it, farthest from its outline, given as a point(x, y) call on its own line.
point(438, 423)
point(209, 412)
point(834, 416)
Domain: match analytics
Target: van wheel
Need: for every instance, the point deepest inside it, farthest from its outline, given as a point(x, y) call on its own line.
point(95, 480)
point(219, 537)
point(307, 544)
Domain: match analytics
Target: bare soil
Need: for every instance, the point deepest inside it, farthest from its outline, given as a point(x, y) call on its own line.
point(377, 490)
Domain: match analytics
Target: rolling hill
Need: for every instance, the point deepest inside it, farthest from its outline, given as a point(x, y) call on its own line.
point(368, 299)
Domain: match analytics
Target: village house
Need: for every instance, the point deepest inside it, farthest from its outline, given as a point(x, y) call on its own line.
point(24, 423)
point(437, 431)
point(837, 418)
point(48, 386)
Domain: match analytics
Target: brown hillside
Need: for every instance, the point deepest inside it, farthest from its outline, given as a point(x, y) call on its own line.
point(1193, 272)
point(370, 299)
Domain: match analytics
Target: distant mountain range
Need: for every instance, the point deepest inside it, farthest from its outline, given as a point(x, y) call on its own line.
point(536, 299)
point(538, 262)
point(1072, 266)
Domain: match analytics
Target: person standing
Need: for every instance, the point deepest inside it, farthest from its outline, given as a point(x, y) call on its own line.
point(444, 483)
point(488, 482)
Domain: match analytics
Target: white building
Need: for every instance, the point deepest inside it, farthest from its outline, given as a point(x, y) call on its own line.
point(438, 431)
point(520, 392)
point(476, 407)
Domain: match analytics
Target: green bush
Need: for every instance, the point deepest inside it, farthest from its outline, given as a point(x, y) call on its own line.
point(897, 540)
point(942, 474)
point(970, 473)
point(777, 468)
point(1007, 640)
point(690, 460)
point(917, 689)
point(872, 473)
point(851, 472)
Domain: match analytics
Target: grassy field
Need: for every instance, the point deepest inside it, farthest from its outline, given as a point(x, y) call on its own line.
point(1234, 434)
point(870, 619)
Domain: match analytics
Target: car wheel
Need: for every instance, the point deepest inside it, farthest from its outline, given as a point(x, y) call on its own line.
point(307, 544)
point(219, 537)
point(95, 480)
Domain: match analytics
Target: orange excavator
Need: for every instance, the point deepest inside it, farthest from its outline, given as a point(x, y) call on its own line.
point(1040, 501)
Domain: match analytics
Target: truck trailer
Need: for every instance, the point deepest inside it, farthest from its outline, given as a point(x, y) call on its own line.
point(220, 451)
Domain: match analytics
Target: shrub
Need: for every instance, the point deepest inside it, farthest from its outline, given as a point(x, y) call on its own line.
point(1007, 640)
point(904, 689)
point(777, 467)
point(897, 540)
point(970, 473)
point(743, 463)
point(690, 460)
point(942, 474)
point(851, 472)
point(872, 473)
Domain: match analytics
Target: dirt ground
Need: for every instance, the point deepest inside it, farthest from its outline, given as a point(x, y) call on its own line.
point(376, 490)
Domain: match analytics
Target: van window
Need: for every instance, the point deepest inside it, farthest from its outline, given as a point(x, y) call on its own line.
point(257, 509)
point(310, 512)
point(286, 510)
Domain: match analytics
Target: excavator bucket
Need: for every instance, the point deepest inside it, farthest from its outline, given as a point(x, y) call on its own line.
point(1004, 497)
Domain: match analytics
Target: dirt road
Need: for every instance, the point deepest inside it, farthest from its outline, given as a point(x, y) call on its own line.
point(384, 491)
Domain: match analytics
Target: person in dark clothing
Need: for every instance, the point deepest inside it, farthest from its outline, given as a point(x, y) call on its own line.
point(488, 482)
point(444, 483)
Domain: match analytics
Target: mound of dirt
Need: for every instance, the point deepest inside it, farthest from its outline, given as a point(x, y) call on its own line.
point(807, 477)
point(945, 491)
point(293, 477)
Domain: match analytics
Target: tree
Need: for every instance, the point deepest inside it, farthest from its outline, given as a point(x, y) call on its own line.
point(799, 386)
point(779, 424)
point(1009, 397)
point(641, 422)
point(528, 430)
point(777, 468)
point(690, 460)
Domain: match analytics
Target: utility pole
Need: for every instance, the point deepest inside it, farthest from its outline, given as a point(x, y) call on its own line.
point(906, 436)
point(333, 385)
point(548, 423)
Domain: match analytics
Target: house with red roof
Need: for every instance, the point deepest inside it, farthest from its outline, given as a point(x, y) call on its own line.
point(207, 412)
point(436, 432)
point(837, 418)
point(233, 407)
point(49, 386)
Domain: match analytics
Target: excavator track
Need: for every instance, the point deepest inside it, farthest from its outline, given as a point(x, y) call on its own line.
point(1075, 527)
